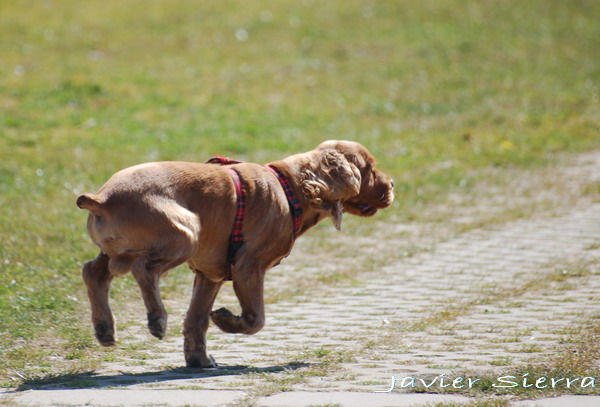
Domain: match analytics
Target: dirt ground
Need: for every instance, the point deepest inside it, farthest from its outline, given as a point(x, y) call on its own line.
point(447, 302)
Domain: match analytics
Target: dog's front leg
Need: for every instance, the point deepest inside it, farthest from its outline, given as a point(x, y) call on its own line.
point(248, 281)
point(97, 278)
point(196, 322)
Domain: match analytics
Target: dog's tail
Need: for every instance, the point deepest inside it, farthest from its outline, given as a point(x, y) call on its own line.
point(91, 203)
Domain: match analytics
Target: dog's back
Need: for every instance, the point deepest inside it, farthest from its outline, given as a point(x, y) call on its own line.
point(151, 208)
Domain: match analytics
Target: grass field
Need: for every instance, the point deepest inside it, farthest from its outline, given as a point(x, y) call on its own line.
point(438, 90)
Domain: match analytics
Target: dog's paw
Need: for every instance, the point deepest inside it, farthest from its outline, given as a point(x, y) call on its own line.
point(235, 324)
point(222, 313)
point(157, 324)
point(105, 333)
point(200, 361)
point(224, 319)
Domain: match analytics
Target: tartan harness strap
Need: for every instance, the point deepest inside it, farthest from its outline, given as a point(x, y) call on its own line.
point(236, 239)
point(295, 208)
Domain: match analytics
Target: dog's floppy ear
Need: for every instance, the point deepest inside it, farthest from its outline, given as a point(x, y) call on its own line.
point(345, 178)
point(332, 180)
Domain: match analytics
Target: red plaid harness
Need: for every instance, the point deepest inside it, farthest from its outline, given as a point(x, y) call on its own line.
point(236, 239)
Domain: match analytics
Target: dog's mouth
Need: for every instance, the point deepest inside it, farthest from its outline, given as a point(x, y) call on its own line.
point(366, 209)
point(369, 205)
point(363, 208)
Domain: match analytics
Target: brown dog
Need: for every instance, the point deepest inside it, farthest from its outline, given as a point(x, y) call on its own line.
point(152, 217)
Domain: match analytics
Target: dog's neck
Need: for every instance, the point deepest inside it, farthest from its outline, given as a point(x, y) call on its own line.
point(291, 168)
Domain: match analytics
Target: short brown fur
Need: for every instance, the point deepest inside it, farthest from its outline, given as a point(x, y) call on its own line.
point(152, 217)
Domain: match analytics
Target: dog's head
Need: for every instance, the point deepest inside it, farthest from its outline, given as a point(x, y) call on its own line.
point(345, 180)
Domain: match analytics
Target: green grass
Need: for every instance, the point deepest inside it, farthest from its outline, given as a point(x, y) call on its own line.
point(437, 90)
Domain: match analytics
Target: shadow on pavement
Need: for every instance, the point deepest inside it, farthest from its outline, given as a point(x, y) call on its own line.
point(94, 380)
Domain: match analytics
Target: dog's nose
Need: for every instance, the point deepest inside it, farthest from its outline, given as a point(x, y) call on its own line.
point(392, 183)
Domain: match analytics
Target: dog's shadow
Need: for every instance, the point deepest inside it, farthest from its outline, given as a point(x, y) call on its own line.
point(92, 379)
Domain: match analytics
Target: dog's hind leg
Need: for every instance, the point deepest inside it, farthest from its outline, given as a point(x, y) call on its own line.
point(147, 272)
point(97, 278)
point(196, 322)
point(248, 281)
